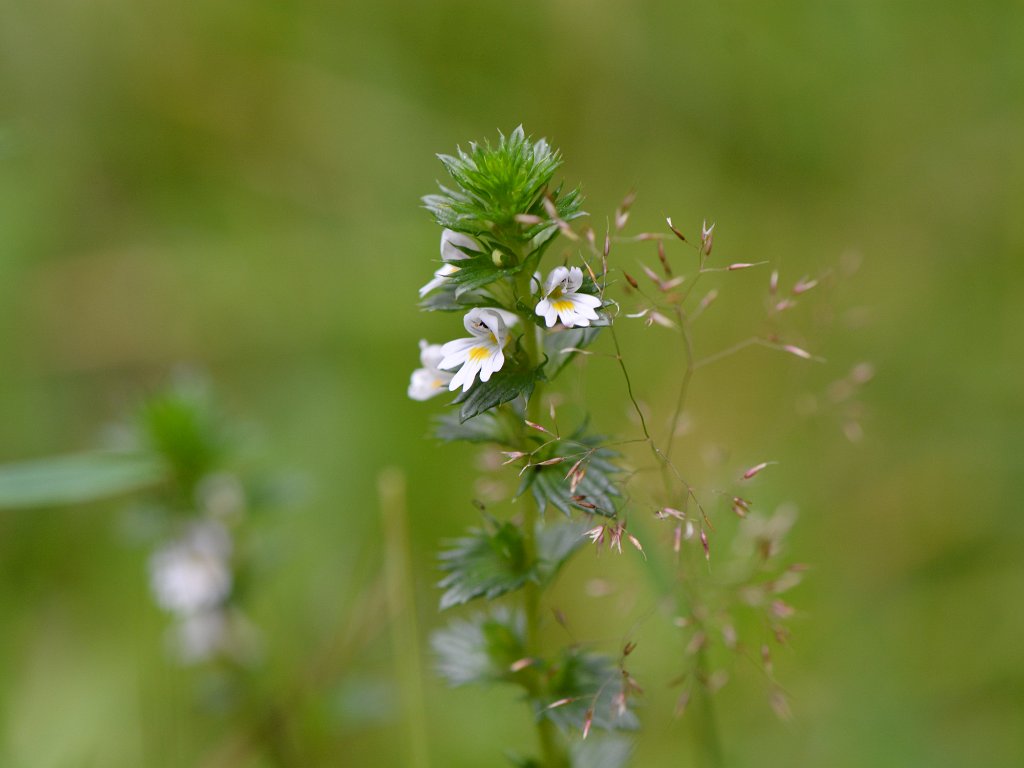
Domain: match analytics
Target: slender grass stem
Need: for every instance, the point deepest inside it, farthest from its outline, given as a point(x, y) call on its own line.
point(402, 610)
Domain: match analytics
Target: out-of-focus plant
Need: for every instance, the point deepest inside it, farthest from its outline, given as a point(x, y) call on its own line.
point(527, 316)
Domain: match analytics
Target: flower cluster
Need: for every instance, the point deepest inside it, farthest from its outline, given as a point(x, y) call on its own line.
point(459, 363)
point(191, 577)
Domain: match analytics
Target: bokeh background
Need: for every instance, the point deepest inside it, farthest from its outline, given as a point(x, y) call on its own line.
point(235, 187)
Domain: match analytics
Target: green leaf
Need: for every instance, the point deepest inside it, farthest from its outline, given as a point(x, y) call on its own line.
point(592, 681)
point(555, 545)
point(600, 753)
point(501, 388)
point(447, 298)
point(556, 345)
point(486, 563)
point(480, 649)
point(549, 485)
point(478, 272)
point(183, 427)
point(484, 428)
point(77, 479)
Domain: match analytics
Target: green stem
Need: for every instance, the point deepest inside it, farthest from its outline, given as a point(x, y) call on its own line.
point(707, 742)
point(553, 754)
point(402, 613)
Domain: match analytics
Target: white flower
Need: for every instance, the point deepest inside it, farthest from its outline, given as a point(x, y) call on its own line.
point(452, 244)
point(429, 380)
point(561, 300)
point(482, 352)
point(192, 574)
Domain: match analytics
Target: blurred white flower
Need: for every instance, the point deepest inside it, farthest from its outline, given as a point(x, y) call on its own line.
point(429, 380)
point(481, 353)
point(563, 302)
point(192, 574)
point(452, 245)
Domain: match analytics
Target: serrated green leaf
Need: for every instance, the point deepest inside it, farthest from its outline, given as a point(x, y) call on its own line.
point(555, 545)
point(592, 682)
point(484, 428)
point(549, 485)
point(501, 388)
point(480, 649)
point(77, 479)
point(445, 298)
point(600, 753)
point(557, 343)
point(486, 563)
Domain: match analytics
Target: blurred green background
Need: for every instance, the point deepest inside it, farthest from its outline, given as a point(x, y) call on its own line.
point(235, 186)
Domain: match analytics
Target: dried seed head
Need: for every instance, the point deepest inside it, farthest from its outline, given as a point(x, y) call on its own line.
point(708, 298)
point(666, 512)
point(550, 462)
point(636, 543)
point(663, 259)
point(681, 703)
point(729, 636)
point(587, 722)
point(704, 543)
point(756, 468)
point(740, 506)
point(696, 643)
point(793, 350)
point(862, 373)
point(803, 285)
point(521, 664)
point(707, 238)
point(675, 231)
point(630, 280)
point(773, 282)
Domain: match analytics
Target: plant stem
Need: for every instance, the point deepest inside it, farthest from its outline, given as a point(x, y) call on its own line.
point(402, 613)
point(553, 754)
point(707, 743)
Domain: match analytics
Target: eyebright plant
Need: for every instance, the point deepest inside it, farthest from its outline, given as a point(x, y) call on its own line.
point(527, 315)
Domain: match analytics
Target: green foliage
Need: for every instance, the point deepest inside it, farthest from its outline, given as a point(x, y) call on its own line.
point(451, 297)
point(180, 424)
point(77, 479)
point(487, 563)
point(600, 753)
point(555, 545)
point(491, 561)
point(481, 648)
point(592, 682)
point(495, 183)
point(595, 492)
point(502, 387)
point(483, 428)
point(560, 347)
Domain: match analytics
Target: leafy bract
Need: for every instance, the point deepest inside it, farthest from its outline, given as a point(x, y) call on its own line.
point(480, 649)
point(483, 428)
point(487, 563)
point(491, 561)
point(591, 682)
point(595, 492)
point(496, 184)
point(502, 387)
